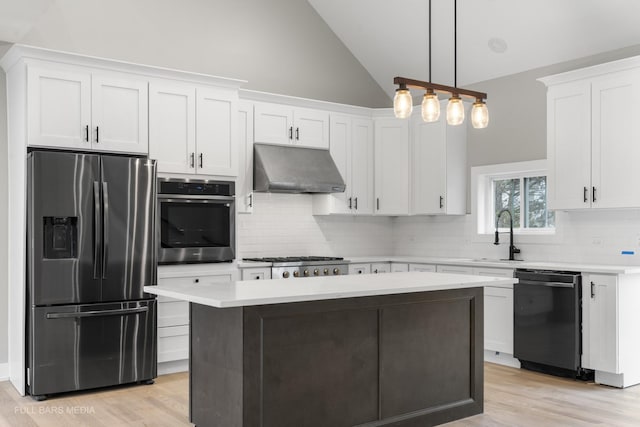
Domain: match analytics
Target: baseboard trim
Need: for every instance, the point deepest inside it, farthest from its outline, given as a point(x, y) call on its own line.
point(501, 358)
point(172, 367)
point(4, 371)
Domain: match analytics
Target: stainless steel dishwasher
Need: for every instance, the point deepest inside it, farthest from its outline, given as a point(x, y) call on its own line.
point(548, 322)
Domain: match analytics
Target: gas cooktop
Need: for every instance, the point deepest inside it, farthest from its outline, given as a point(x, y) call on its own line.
point(304, 266)
point(296, 259)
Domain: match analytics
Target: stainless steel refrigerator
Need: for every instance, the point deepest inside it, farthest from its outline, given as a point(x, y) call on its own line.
point(91, 249)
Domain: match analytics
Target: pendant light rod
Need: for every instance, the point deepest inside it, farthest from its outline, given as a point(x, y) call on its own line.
point(419, 84)
point(429, 41)
point(455, 43)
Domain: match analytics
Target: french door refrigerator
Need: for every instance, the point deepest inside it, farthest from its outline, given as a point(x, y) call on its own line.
point(91, 249)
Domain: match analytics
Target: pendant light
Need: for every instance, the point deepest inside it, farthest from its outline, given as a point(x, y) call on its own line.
point(430, 101)
point(479, 114)
point(403, 103)
point(455, 111)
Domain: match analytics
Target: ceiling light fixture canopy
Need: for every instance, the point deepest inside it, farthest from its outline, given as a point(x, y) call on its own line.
point(403, 103)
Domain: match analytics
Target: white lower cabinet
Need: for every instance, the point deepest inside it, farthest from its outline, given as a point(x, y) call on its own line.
point(399, 267)
point(429, 268)
point(173, 316)
point(600, 322)
point(359, 268)
point(454, 269)
point(380, 267)
point(256, 273)
point(498, 319)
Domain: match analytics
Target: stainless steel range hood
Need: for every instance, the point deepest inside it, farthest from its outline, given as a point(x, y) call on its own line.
point(283, 169)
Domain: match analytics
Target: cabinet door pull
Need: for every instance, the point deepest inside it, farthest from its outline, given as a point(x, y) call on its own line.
point(297, 134)
point(201, 155)
point(585, 196)
point(356, 203)
point(193, 160)
point(441, 202)
point(291, 133)
point(350, 207)
point(97, 134)
point(593, 290)
point(86, 133)
point(378, 203)
point(250, 200)
point(593, 196)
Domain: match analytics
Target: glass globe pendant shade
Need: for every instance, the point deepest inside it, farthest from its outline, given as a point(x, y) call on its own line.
point(430, 107)
point(402, 103)
point(455, 111)
point(479, 115)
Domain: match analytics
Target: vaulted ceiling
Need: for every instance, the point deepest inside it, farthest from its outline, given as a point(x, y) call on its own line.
point(495, 37)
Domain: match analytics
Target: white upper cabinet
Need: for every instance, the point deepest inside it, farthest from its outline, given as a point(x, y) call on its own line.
point(391, 166)
point(172, 124)
point(569, 145)
point(244, 183)
point(77, 108)
point(593, 138)
point(351, 148)
point(193, 128)
point(216, 128)
point(283, 124)
point(59, 108)
point(439, 168)
point(615, 139)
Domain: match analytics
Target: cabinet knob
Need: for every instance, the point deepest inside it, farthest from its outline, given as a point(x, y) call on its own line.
point(196, 280)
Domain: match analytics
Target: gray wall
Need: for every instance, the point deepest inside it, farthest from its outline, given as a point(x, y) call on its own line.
point(517, 105)
point(279, 46)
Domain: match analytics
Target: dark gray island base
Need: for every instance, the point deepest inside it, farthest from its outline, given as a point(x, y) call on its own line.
point(413, 359)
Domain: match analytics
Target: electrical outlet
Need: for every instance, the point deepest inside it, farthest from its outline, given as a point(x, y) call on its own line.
point(597, 241)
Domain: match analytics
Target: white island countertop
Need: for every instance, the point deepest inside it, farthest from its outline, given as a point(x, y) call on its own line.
point(260, 292)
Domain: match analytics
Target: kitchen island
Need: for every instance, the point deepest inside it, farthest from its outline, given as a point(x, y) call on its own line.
point(402, 349)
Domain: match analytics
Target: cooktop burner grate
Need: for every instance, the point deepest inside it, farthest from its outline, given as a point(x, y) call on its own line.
point(295, 259)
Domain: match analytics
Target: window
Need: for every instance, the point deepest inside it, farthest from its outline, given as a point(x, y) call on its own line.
point(526, 198)
point(521, 188)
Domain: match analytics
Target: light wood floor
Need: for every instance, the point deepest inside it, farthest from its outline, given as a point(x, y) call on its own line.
point(513, 397)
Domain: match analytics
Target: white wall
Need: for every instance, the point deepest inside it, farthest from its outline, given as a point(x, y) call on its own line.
point(282, 225)
point(3, 220)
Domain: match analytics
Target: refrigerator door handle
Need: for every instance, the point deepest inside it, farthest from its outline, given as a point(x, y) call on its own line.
point(98, 313)
point(97, 240)
point(105, 228)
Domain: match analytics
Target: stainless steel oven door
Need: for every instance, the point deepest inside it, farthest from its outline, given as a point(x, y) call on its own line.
point(195, 229)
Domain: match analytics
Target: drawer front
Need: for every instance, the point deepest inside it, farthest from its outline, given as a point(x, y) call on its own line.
point(493, 272)
point(430, 268)
point(173, 344)
point(380, 267)
point(399, 268)
point(173, 313)
point(359, 268)
point(256, 274)
point(454, 269)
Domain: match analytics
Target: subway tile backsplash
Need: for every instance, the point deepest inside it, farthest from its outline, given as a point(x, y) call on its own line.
point(283, 225)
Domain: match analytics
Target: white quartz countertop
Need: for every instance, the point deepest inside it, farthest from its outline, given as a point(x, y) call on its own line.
point(259, 292)
point(482, 262)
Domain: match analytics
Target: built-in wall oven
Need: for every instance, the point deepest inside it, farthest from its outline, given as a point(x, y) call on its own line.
point(196, 221)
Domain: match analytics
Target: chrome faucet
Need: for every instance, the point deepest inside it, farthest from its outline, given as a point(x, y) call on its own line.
point(512, 249)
